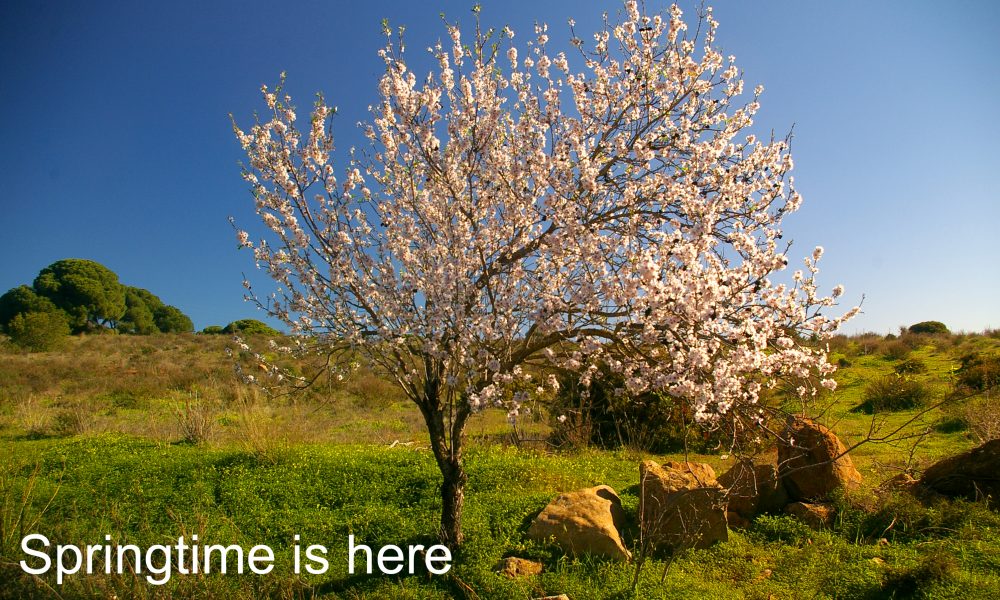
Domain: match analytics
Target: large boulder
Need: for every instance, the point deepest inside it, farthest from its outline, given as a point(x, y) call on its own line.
point(681, 505)
point(813, 462)
point(974, 474)
point(587, 521)
point(753, 489)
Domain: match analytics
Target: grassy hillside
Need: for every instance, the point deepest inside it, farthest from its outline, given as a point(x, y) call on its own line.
point(148, 438)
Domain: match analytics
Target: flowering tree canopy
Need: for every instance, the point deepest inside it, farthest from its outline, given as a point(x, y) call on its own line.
point(522, 207)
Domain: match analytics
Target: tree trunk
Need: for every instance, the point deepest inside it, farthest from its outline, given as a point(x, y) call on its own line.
point(446, 443)
point(452, 499)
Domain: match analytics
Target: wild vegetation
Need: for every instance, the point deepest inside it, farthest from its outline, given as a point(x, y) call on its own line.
point(144, 438)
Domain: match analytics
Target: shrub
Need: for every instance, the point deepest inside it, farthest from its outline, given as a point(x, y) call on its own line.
point(910, 365)
point(892, 392)
point(928, 327)
point(196, 418)
point(606, 416)
point(937, 565)
point(250, 327)
point(978, 372)
point(213, 330)
point(39, 331)
point(896, 349)
point(951, 424)
point(983, 417)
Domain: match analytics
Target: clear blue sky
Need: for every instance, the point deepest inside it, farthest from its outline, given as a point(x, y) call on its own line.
point(116, 145)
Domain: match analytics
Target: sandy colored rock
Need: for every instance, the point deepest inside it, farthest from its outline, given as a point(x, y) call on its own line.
point(515, 567)
point(974, 474)
point(753, 489)
point(901, 482)
point(681, 505)
point(812, 466)
point(815, 515)
point(587, 521)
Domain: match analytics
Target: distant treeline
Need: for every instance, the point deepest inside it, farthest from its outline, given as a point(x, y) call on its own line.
point(76, 296)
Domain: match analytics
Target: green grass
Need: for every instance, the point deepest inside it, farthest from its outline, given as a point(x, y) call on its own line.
point(144, 492)
point(89, 446)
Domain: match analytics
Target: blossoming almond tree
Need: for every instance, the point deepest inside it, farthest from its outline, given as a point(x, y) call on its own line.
point(525, 207)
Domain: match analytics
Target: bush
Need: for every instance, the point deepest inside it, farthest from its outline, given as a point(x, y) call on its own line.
point(910, 365)
point(896, 349)
point(606, 416)
point(213, 330)
point(39, 331)
point(978, 372)
point(892, 392)
point(983, 417)
point(951, 424)
point(249, 327)
point(928, 327)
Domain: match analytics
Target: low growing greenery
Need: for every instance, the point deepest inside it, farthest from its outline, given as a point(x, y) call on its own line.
point(78, 490)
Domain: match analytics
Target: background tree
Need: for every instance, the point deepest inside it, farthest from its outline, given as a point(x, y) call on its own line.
point(170, 319)
point(147, 313)
point(87, 291)
point(39, 331)
point(138, 317)
point(249, 327)
point(513, 214)
point(22, 299)
point(931, 327)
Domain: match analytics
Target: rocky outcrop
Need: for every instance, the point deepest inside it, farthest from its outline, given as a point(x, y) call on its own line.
point(681, 505)
point(812, 462)
point(587, 521)
point(752, 489)
point(973, 475)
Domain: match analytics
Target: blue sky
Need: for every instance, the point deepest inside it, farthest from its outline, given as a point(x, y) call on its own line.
point(116, 145)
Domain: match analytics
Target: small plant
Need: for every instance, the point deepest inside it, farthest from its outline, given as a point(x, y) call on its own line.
point(196, 417)
point(892, 392)
point(910, 366)
point(257, 429)
point(935, 566)
point(896, 349)
point(75, 417)
point(951, 424)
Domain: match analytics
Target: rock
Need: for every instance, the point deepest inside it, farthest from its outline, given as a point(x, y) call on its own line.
point(815, 515)
point(753, 489)
point(899, 482)
point(736, 521)
point(810, 468)
point(974, 474)
point(681, 505)
point(515, 567)
point(586, 521)
point(703, 473)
